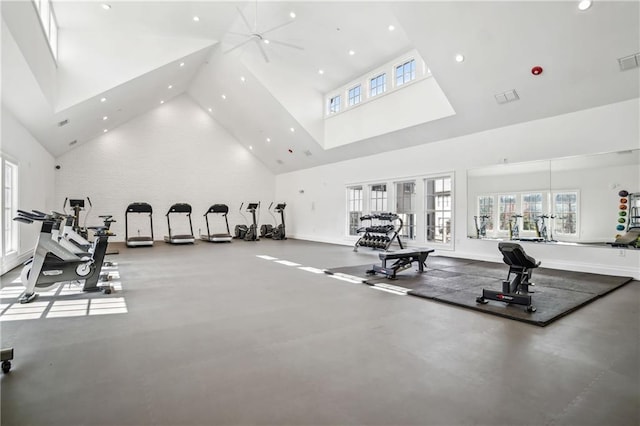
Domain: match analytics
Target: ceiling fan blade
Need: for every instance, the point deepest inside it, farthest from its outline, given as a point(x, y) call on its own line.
point(244, 19)
point(264, 53)
point(237, 46)
point(286, 44)
point(277, 27)
point(238, 34)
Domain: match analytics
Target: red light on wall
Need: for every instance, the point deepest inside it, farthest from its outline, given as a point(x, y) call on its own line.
point(537, 70)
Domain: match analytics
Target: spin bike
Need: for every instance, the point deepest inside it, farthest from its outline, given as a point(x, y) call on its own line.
point(544, 233)
point(514, 227)
point(481, 223)
point(52, 263)
point(77, 205)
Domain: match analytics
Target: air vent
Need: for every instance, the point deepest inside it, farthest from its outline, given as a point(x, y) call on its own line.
point(508, 96)
point(63, 122)
point(629, 62)
point(73, 142)
point(279, 162)
point(307, 153)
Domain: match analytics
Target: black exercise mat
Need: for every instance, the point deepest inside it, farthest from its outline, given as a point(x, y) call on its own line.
point(460, 281)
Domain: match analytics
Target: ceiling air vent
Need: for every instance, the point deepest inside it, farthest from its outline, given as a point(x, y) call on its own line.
point(629, 62)
point(63, 122)
point(508, 96)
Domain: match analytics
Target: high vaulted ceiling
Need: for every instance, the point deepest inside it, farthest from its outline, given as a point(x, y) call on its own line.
point(130, 53)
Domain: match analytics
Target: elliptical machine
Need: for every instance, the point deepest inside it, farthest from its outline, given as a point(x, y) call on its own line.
point(266, 230)
point(52, 263)
point(248, 233)
point(278, 233)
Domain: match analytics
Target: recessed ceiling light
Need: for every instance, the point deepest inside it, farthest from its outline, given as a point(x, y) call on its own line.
point(224, 96)
point(392, 27)
point(182, 64)
point(103, 99)
point(266, 41)
point(268, 140)
point(292, 129)
point(320, 71)
point(106, 6)
point(210, 110)
point(242, 79)
point(196, 19)
point(250, 147)
point(161, 102)
point(352, 52)
point(105, 118)
point(105, 131)
point(170, 86)
point(292, 14)
point(584, 4)
point(459, 58)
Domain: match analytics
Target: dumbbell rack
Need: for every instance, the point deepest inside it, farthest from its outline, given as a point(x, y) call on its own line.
point(379, 236)
point(634, 211)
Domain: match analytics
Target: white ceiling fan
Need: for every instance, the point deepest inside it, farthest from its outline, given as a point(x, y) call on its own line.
point(260, 37)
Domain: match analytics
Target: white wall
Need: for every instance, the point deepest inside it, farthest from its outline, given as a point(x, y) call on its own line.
point(35, 180)
point(174, 153)
point(93, 62)
point(421, 102)
point(319, 212)
point(22, 19)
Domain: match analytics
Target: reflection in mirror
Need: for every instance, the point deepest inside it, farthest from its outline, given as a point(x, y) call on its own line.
point(569, 200)
point(509, 201)
point(596, 182)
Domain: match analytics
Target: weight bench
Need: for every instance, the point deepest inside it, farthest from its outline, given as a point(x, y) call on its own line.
point(514, 290)
point(403, 260)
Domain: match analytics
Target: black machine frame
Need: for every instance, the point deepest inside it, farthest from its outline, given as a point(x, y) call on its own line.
point(514, 290)
point(138, 208)
point(222, 209)
point(184, 238)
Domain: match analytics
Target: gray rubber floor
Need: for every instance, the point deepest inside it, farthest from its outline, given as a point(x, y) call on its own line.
point(461, 281)
point(217, 336)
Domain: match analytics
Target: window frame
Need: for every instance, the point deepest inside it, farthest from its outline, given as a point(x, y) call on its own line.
point(402, 78)
point(450, 232)
point(566, 236)
point(354, 99)
point(11, 249)
point(378, 89)
point(335, 108)
point(353, 222)
point(409, 231)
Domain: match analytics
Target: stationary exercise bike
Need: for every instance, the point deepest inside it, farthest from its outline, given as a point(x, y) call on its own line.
point(514, 227)
point(481, 223)
point(52, 263)
point(77, 205)
point(541, 227)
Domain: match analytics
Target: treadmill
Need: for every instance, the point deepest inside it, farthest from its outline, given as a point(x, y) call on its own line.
point(222, 209)
point(179, 238)
point(139, 240)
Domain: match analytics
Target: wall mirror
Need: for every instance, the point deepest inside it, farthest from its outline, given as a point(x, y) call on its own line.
point(565, 200)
